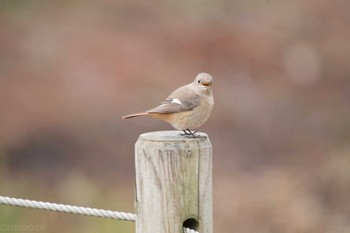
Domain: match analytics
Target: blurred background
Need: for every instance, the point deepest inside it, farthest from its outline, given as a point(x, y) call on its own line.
point(280, 128)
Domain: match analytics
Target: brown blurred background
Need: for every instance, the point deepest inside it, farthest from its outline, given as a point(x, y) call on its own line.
point(280, 128)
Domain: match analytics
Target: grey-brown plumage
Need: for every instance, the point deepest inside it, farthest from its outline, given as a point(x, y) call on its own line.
point(186, 108)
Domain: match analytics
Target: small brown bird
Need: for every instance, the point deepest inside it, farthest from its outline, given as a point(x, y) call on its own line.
point(186, 108)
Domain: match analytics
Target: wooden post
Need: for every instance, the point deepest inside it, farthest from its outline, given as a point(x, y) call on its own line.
point(173, 183)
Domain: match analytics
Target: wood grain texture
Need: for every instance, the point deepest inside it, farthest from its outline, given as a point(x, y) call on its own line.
point(173, 182)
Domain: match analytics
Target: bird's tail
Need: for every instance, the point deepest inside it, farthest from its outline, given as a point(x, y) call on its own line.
point(135, 115)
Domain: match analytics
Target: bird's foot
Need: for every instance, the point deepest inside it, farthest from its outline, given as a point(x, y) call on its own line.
point(190, 134)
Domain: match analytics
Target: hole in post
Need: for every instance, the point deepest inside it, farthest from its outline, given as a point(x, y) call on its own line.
point(191, 223)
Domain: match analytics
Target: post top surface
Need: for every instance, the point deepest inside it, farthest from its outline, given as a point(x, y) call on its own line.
point(172, 135)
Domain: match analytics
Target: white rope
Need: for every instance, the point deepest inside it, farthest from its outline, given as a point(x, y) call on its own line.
point(73, 209)
point(67, 208)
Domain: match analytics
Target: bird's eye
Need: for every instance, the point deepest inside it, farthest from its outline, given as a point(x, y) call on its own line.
point(199, 81)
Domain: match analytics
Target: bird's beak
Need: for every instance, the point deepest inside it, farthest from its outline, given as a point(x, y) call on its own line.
point(207, 84)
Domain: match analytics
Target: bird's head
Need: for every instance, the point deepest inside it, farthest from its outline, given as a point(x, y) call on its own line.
point(203, 80)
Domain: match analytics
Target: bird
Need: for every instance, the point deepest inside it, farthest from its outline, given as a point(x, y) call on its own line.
point(186, 108)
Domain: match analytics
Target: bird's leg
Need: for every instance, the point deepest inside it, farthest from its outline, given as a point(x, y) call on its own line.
point(185, 133)
point(189, 133)
point(192, 133)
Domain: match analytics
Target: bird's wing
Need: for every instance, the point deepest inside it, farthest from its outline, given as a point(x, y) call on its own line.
point(181, 100)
